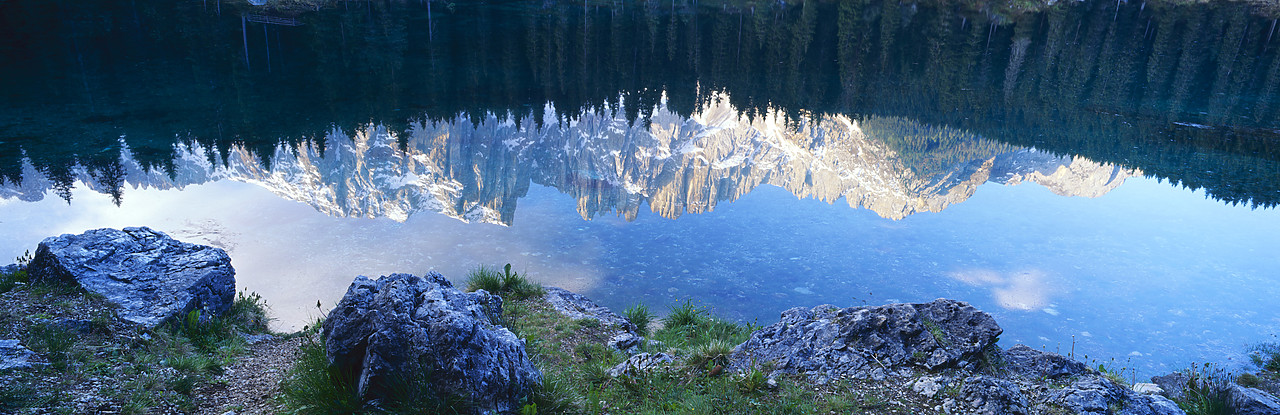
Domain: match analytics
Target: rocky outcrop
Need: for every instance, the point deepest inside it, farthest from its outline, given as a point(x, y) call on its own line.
point(576, 306)
point(149, 275)
point(946, 350)
point(1029, 363)
point(1173, 384)
point(13, 355)
point(827, 342)
point(1094, 394)
point(404, 331)
point(1250, 401)
point(988, 395)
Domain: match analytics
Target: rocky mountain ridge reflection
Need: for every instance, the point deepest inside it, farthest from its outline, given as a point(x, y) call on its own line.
point(477, 171)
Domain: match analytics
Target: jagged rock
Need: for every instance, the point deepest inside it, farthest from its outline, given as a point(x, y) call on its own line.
point(1173, 384)
point(388, 332)
point(1094, 394)
point(149, 275)
point(641, 363)
point(868, 342)
point(1031, 363)
point(1250, 401)
point(990, 396)
point(13, 355)
point(576, 306)
point(9, 269)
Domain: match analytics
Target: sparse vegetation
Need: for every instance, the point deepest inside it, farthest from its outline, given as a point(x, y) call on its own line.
point(312, 386)
point(1267, 357)
point(510, 285)
point(135, 370)
point(1206, 390)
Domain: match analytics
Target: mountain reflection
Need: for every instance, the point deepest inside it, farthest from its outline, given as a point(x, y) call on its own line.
point(476, 171)
point(1185, 93)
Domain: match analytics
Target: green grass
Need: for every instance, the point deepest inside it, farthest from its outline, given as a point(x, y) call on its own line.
point(684, 315)
point(1267, 357)
point(312, 387)
point(937, 333)
point(52, 342)
point(639, 316)
point(510, 285)
point(1206, 391)
point(10, 280)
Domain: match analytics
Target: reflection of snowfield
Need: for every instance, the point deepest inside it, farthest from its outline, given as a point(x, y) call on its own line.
point(1025, 290)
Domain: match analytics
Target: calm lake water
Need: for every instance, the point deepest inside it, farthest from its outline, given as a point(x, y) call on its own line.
point(1099, 175)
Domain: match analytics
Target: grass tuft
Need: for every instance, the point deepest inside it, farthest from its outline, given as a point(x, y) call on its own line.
point(1206, 391)
point(639, 316)
point(312, 387)
point(510, 285)
point(684, 315)
point(708, 355)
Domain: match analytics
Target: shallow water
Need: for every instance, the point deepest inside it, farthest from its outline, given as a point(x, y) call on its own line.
point(710, 162)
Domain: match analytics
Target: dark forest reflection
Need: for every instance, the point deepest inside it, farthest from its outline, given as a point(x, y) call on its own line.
point(1187, 94)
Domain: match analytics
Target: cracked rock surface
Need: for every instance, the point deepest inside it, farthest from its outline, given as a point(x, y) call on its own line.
point(149, 275)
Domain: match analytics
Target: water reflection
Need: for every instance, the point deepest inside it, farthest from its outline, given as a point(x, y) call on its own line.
point(674, 165)
point(1184, 93)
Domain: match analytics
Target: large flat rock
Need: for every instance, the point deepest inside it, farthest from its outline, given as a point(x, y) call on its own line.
point(149, 275)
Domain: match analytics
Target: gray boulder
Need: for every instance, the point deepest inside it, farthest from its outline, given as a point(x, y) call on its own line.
point(1030, 363)
point(1094, 394)
point(149, 275)
point(1173, 384)
point(404, 331)
point(1250, 401)
point(13, 355)
point(988, 396)
point(827, 342)
point(577, 306)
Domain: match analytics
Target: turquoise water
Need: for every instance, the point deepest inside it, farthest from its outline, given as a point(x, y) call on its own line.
point(1104, 186)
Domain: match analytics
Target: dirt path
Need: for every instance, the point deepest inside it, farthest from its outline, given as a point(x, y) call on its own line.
point(250, 386)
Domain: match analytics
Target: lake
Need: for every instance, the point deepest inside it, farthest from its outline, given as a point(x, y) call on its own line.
point(1100, 176)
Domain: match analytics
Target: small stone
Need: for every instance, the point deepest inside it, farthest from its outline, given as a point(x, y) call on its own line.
point(927, 386)
point(643, 362)
point(1148, 389)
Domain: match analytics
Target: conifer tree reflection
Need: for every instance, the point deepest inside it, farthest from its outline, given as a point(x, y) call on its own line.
point(1184, 92)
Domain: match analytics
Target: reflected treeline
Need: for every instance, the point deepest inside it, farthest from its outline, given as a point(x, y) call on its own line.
point(1184, 93)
